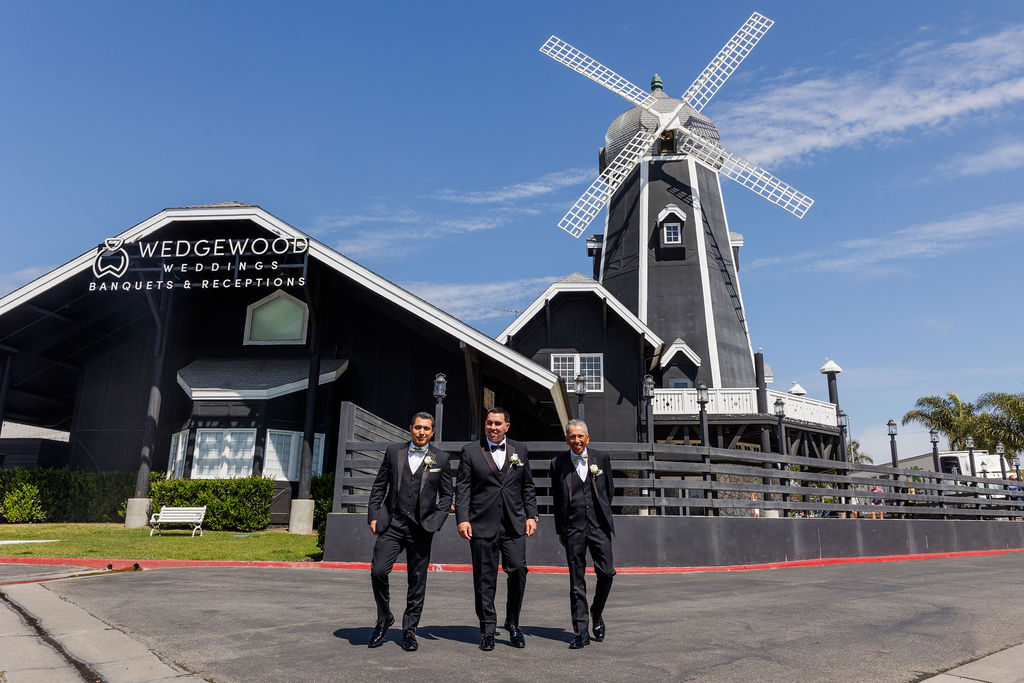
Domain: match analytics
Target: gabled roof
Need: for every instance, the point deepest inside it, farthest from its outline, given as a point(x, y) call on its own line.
point(252, 378)
point(679, 346)
point(581, 283)
point(405, 300)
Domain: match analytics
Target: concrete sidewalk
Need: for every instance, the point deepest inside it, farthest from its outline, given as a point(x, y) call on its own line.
point(945, 620)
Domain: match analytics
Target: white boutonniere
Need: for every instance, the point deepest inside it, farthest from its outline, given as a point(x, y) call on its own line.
point(596, 471)
point(429, 461)
point(515, 461)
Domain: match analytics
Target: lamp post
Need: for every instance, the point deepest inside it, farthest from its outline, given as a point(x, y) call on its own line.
point(702, 401)
point(969, 442)
point(892, 447)
point(647, 393)
point(780, 412)
point(1016, 466)
point(933, 434)
point(843, 420)
point(440, 391)
point(581, 391)
point(1001, 452)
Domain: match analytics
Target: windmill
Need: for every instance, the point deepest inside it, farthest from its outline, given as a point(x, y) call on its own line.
point(667, 252)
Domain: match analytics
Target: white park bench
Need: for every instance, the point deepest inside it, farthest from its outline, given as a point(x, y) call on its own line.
point(170, 515)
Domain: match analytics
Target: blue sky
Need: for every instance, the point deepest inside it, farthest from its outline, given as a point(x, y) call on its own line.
point(433, 143)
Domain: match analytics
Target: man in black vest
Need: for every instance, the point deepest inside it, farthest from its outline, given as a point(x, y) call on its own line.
point(496, 507)
point(414, 484)
point(582, 489)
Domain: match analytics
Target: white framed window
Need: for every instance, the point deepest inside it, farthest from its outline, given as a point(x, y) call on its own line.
point(223, 453)
point(680, 383)
point(279, 318)
point(673, 233)
point(591, 365)
point(176, 458)
point(284, 454)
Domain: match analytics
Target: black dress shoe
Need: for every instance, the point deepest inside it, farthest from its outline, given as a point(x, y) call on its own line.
point(580, 641)
point(380, 631)
point(599, 629)
point(515, 636)
point(409, 643)
point(487, 642)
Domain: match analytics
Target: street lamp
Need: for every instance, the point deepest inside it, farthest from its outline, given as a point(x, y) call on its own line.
point(969, 442)
point(1001, 452)
point(581, 391)
point(647, 393)
point(1016, 466)
point(843, 420)
point(440, 391)
point(933, 434)
point(892, 446)
point(780, 412)
point(702, 401)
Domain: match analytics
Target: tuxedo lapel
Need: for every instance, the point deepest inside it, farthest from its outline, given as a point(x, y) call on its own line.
point(403, 459)
point(489, 459)
point(425, 473)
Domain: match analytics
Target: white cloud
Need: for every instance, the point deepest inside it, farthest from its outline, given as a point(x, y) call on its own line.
point(1004, 157)
point(871, 255)
point(543, 185)
point(927, 84)
point(482, 301)
point(12, 281)
point(378, 242)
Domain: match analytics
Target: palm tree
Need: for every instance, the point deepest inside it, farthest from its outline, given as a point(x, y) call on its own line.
point(1007, 420)
point(952, 417)
point(853, 454)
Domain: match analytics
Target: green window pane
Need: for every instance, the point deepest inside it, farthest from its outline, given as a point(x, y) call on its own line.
point(277, 320)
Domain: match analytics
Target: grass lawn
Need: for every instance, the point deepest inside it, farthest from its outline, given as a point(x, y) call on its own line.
point(115, 542)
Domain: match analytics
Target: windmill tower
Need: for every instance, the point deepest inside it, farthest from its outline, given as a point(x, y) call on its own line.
point(667, 253)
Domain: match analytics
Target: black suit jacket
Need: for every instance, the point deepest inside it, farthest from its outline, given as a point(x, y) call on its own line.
point(483, 491)
point(436, 488)
point(602, 486)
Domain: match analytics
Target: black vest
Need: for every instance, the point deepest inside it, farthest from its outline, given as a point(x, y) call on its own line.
point(581, 503)
point(407, 505)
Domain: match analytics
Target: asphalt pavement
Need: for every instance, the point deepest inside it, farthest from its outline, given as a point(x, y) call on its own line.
point(953, 619)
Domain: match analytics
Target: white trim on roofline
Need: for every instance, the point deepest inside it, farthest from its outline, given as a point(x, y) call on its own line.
point(679, 346)
point(393, 293)
point(226, 394)
point(577, 286)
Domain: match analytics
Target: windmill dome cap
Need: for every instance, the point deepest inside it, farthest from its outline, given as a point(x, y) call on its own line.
point(630, 122)
point(829, 367)
point(797, 390)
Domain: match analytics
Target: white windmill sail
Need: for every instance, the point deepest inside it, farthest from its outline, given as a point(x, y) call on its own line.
point(712, 154)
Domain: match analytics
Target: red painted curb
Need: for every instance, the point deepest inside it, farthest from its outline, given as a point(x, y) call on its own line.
point(97, 563)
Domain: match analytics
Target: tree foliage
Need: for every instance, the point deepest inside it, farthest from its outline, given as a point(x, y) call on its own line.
point(996, 417)
point(853, 454)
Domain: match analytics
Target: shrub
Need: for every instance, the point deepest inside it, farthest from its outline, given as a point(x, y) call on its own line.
point(74, 495)
point(231, 504)
point(22, 505)
point(321, 490)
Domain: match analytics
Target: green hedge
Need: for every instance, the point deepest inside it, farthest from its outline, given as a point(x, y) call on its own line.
point(321, 490)
point(74, 495)
point(231, 504)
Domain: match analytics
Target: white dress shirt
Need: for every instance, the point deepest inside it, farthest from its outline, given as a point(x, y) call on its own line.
point(580, 461)
point(498, 455)
point(416, 459)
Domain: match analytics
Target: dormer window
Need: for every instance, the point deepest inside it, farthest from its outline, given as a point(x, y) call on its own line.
point(276, 319)
point(673, 233)
point(668, 142)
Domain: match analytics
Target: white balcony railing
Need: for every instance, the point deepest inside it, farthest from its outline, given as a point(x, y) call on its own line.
point(743, 402)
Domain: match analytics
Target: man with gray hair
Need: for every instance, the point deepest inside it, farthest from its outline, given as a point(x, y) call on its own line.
point(582, 488)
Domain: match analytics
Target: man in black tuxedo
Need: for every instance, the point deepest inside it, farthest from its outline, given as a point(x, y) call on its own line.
point(409, 502)
point(582, 489)
point(496, 508)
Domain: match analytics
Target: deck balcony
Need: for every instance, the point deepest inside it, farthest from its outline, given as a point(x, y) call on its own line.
point(743, 402)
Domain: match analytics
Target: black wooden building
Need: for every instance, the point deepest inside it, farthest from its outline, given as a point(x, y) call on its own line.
point(222, 314)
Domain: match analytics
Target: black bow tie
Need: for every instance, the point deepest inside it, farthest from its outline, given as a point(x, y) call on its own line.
point(499, 447)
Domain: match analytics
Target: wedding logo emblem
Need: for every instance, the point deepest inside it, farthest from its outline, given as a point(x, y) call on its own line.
point(112, 259)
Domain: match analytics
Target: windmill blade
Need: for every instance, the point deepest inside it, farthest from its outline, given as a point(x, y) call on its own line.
point(600, 191)
point(563, 52)
point(747, 174)
point(726, 61)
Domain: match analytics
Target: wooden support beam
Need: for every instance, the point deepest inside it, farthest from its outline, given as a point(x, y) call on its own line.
point(739, 435)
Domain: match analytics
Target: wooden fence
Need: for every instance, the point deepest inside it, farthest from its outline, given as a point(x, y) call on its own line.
point(669, 479)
